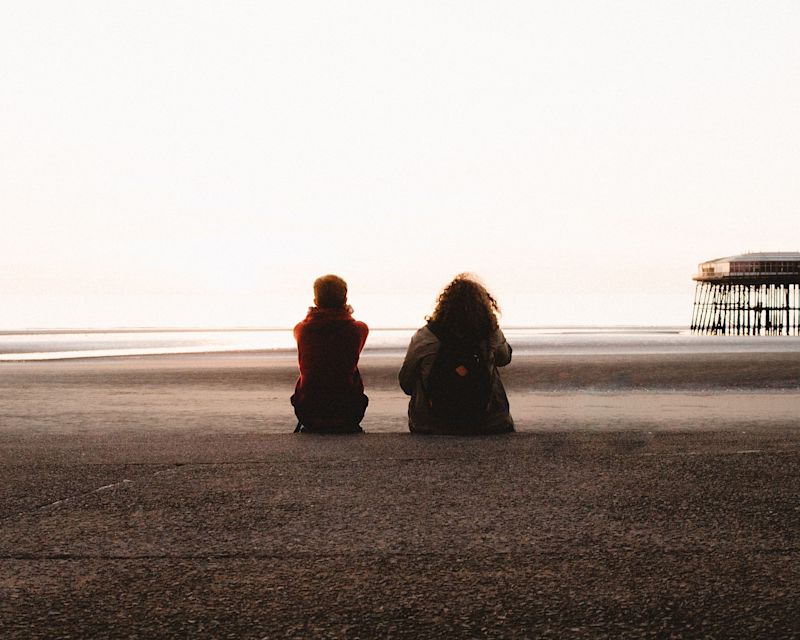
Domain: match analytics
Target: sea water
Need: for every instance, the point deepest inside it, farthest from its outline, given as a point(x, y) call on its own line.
point(67, 344)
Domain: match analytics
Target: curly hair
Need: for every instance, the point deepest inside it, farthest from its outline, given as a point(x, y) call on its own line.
point(466, 308)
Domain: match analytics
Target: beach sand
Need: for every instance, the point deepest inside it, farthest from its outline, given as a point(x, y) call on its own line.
point(648, 496)
point(249, 392)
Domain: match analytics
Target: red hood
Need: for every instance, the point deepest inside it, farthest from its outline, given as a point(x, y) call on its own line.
point(329, 342)
point(320, 317)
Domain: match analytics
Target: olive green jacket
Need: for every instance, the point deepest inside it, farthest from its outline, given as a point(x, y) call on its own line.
point(414, 375)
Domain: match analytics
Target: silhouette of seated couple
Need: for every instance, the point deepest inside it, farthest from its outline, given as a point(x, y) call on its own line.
point(450, 368)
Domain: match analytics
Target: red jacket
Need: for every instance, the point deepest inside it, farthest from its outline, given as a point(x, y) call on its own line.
point(329, 342)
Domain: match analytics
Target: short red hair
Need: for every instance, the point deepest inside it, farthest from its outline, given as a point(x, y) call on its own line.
point(330, 292)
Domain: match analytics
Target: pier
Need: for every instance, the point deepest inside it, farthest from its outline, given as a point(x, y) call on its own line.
point(751, 294)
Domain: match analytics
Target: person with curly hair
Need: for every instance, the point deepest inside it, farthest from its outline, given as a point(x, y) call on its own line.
point(451, 366)
point(329, 395)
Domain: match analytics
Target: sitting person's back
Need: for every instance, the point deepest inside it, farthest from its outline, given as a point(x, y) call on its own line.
point(450, 368)
point(329, 395)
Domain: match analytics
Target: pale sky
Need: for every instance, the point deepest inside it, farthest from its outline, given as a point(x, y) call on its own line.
point(200, 163)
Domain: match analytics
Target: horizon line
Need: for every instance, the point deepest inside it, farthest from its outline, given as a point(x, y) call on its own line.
point(245, 329)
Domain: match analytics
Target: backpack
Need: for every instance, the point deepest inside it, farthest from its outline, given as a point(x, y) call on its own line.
point(459, 386)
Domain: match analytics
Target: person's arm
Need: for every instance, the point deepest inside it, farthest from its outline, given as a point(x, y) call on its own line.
point(363, 332)
point(409, 370)
point(502, 350)
point(298, 337)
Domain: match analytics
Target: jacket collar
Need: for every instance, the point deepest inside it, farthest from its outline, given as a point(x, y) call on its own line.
point(322, 313)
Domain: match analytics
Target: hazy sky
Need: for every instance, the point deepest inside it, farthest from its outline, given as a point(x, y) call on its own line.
point(199, 163)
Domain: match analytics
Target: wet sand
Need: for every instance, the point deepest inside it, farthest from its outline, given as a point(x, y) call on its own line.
point(235, 393)
point(163, 497)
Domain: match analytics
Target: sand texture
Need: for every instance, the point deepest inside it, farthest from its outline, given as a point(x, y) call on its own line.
point(250, 393)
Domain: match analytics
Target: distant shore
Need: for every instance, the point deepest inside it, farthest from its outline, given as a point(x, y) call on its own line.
point(39, 345)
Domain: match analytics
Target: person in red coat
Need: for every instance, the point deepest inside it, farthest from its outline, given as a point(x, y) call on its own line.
point(329, 395)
